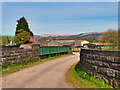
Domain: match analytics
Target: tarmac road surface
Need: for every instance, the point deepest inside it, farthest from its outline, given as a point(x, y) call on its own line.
point(50, 74)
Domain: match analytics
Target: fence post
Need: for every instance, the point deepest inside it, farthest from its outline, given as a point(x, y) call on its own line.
point(49, 52)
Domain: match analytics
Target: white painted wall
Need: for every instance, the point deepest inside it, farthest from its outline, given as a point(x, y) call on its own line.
point(84, 42)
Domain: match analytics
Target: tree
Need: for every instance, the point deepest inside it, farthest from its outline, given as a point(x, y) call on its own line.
point(8, 40)
point(22, 26)
point(0, 40)
point(110, 39)
point(22, 38)
point(5, 40)
point(119, 39)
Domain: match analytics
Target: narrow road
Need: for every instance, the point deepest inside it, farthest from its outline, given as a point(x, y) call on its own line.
point(50, 74)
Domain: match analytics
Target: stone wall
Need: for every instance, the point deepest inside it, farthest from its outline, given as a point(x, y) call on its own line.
point(19, 54)
point(76, 49)
point(13, 55)
point(102, 64)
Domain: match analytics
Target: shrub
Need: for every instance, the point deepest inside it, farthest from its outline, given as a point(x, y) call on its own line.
point(5, 65)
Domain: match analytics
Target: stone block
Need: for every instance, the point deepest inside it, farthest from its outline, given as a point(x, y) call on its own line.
point(106, 80)
point(101, 63)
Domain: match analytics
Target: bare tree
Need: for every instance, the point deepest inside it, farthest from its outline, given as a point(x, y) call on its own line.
point(110, 39)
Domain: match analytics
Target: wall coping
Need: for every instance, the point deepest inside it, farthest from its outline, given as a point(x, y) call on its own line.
point(100, 50)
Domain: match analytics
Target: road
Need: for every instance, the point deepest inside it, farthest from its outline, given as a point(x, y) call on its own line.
point(50, 74)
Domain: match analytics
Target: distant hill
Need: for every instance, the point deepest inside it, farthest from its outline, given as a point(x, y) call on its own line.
point(9, 36)
point(82, 35)
point(49, 35)
point(92, 34)
point(52, 35)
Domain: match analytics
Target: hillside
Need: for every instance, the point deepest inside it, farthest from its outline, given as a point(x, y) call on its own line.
point(9, 36)
point(92, 34)
point(82, 35)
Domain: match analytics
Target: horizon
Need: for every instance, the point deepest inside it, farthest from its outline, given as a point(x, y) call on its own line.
point(54, 34)
point(66, 18)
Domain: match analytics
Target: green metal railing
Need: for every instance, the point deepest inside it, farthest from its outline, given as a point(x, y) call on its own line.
point(56, 50)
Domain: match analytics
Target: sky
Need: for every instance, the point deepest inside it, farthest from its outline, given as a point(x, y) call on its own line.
point(60, 17)
point(60, 0)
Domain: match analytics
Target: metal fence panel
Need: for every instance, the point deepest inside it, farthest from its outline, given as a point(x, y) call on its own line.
point(53, 50)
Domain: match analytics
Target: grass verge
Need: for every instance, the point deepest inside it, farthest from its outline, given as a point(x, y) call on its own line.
point(8, 68)
point(79, 79)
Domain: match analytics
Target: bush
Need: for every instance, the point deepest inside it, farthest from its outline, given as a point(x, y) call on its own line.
point(5, 65)
point(22, 38)
point(110, 39)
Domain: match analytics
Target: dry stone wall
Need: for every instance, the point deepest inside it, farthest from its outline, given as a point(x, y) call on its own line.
point(102, 64)
point(19, 54)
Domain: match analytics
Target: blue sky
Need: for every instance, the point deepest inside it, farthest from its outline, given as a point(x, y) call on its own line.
point(60, 17)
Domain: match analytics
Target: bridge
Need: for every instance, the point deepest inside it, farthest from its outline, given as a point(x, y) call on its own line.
point(50, 74)
point(98, 63)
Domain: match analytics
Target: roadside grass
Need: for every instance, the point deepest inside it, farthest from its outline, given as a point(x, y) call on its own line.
point(8, 68)
point(80, 79)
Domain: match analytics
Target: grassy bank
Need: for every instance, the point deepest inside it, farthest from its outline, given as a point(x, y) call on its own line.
point(79, 79)
point(8, 68)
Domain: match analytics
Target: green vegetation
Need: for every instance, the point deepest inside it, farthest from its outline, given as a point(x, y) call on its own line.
point(22, 25)
point(5, 40)
point(22, 38)
point(23, 33)
point(110, 40)
point(119, 39)
point(80, 79)
point(8, 68)
point(90, 39)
